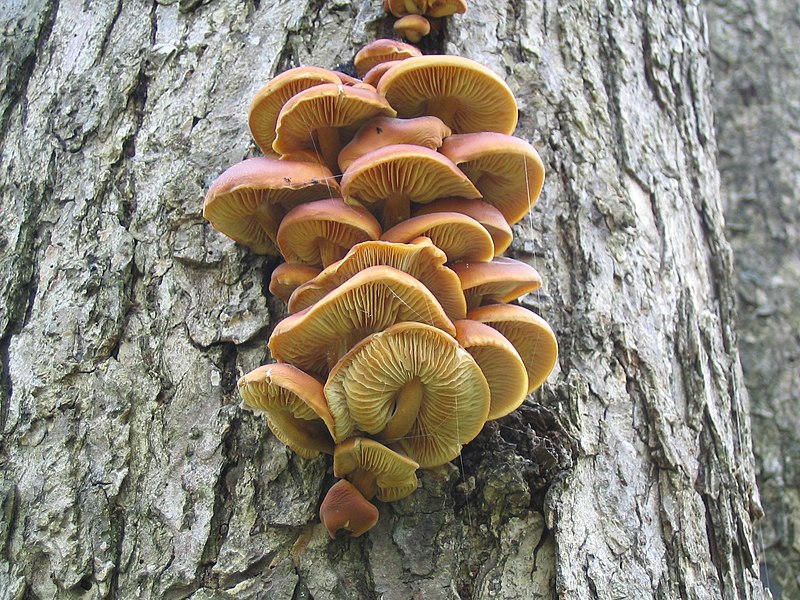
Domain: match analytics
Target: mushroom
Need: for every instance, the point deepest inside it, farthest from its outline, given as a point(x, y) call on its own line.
point(374, 469)
point(528, 332)
point(398, 174)
point(287, 277)
point(314, 339)
point(345, 508)
point(373, 76)
point(483, 212)
point(445, 8)
point(414, 386)
point(501, 280)
point(506, 169)
point(248, 201)
point(382, 51)
point(294, 406)
point(384, 131)
point(320, 233)
point(325, 116)
point(412, 27)
point(420, 259)
point(500, 363)
point(406, 7)
point(464, 94)
point(460, 237)
point(270, 99)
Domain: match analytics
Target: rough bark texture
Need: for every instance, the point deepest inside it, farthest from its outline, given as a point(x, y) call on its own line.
point(129, 469)
point(756, 61)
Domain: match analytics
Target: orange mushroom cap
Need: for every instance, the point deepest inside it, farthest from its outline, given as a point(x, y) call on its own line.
point(460, 237)
point(501, 280)
point(345, 508)
point(382, 51)
point(483, 212)
point(287, 277)
point(375, 469)
point(412, 27)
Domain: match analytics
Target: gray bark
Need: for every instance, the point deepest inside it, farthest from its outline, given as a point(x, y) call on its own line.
point(756, 59)
point(129, 468)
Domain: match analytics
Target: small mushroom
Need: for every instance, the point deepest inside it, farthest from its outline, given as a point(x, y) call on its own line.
point(414, 386)
point(316, 338)
point(406, 7)
point(483, 212)
point(464, 94)
point(345, 508)
point(420, 259)
point(374, 469)
point(397, 175)
point(501, 280)
point(287, 277)
point(528, 332)
point(382, 51)
point(445, 8)
point(373, 76)
point(412, 27)
point(320, 233)
point(294, 406)
point(460, 237)
point(248, 201)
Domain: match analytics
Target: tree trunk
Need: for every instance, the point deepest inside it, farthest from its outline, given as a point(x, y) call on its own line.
point(131, 472)
point(756, 59)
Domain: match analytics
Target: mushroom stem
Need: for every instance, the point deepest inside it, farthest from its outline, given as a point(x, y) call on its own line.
point(330, 252)
point(444, 108)
point(406, 409)
point(365, 482)
point(396, 209)
point(329, 147)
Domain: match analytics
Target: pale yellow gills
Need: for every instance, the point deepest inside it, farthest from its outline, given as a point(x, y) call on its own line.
point(316, 338)
point(428, 132)
point(374, 469)
point(269, 100)
point(414, 386)
point(483, 212)
point(381, 51)
point(395, 176)
point(421, 259)
point(506, 169)
point(500, 363)
point(528, 332)
point(326, 117)
point(294, 406)
point(287, 277)
point(248, 201)
point(501, 280)
point(464, 94)
point(345, 508)
point(320, 233)
point(460, 237)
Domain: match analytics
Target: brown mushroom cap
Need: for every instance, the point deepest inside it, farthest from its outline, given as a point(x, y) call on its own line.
point(385, 131)
point(324, 117)
point(406, 7)
point(382, 51)
point(287, 277)
point(248, 201)
point(320, 233)
point(345, 508)
point(399, 174)
point(506, 169)
point(294, 406)
point(421, 259)
point(500, 363)
point(373, 76)
point(375, 469)
point(412, 27)
point(464, 94)
point(460, 237)
point(270, 99)
point(528, 332)
point(315, 338)
point(415, 386)
point(501, 280)
point(483, 212)
point(445, 8)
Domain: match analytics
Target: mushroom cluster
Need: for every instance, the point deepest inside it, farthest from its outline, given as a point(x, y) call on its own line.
point(411, 15)
point(391, 200)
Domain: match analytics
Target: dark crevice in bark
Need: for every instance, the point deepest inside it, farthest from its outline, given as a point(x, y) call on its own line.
point(610, 63)
point(109, 30)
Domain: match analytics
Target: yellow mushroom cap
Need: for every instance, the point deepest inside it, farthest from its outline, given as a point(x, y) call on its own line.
point(483, 212)
point(460, 237)
point(464, 94)
point(421, 259)
point(294, 406)
point(375, 469)
point(528, 332)
point(315, 338)
point(248, 201)
point(416, 381)
point(501, 280)
point(345, 508)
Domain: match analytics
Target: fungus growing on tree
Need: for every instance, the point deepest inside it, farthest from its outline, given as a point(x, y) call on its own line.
point(287, 277)
point(483, 212)
point(344, 507)
point(381, 51)
point(501, 280)
point(412, 27)
point(375, 470)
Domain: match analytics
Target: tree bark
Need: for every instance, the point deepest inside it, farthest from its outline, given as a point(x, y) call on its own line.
point(129, 468)
point(756, 59)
